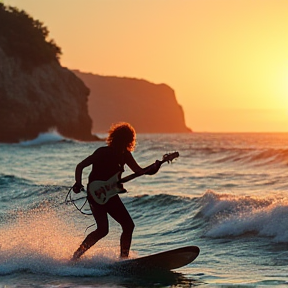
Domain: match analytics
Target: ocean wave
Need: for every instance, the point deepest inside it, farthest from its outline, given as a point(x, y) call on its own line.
point(232, 216)
point(45, 138)
point(20, 193)
point(6, 180)
point(253, 156)
point(214, 215)
point(162, 206)
point(159, 200)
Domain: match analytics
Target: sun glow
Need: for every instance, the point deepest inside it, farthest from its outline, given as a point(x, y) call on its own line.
point(285, 89)
point(282, 88)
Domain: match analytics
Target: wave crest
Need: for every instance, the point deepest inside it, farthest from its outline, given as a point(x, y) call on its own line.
point(45, 138)
point(254, 156)
point(232, 216)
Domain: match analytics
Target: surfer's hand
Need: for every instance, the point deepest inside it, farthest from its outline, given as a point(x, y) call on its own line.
point(153, 169)
point(77, 188)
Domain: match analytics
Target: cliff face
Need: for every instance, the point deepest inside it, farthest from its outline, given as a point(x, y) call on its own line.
point(150, 108)
point(44, 97)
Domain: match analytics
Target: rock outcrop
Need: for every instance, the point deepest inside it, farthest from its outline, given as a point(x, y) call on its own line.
point(150, 108)
point(36, 93)
point(45, 97)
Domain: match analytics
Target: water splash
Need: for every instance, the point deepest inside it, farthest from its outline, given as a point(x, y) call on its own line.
point(42, 241)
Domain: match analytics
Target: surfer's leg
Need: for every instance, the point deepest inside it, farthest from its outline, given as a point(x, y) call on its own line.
point(125, 242)
point(102, 230)
point(118, 211)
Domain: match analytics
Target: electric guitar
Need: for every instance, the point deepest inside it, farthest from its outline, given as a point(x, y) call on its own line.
point(102, 191)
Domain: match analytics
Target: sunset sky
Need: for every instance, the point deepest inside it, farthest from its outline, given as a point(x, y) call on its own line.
point(227, 60)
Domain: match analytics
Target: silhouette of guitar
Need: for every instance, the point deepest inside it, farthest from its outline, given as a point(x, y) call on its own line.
point(102, 191)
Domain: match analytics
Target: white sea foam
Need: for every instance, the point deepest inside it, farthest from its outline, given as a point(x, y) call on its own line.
point(233, 216)
point(44, 138)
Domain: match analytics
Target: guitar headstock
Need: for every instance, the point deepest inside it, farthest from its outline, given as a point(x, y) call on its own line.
point(169, 157)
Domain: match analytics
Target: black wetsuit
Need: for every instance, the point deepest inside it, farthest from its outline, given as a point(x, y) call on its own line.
point(106, 163)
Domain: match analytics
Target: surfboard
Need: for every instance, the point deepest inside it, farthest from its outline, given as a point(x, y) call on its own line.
point(164, 261)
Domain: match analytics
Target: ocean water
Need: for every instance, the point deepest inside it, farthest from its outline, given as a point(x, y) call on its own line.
point(226, 193)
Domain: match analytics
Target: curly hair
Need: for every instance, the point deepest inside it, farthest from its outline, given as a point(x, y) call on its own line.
point(122, 135)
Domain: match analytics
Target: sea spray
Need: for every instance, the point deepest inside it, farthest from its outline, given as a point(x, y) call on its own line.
point(42, 240)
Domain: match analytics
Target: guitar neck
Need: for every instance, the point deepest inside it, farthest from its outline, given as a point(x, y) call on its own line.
point(135, 175)
point(129, 177)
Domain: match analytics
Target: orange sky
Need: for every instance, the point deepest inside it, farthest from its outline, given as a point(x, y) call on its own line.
point(227, 60)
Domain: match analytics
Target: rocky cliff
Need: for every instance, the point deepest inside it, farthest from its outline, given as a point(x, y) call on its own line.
point(46, 97)
point(150, 108)
point(36, 93)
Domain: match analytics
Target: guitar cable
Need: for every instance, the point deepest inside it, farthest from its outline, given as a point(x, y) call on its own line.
point(79, 209)
point(73, 201)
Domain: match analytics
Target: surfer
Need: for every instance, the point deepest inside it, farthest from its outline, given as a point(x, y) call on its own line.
point(107, 161)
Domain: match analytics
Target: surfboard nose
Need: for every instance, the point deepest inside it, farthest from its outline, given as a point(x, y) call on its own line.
point(165, 261)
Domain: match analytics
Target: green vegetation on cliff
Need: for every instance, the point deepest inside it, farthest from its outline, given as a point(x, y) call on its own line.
point(23, 37)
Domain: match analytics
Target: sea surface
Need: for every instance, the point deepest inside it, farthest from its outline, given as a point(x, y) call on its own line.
point(226, 193)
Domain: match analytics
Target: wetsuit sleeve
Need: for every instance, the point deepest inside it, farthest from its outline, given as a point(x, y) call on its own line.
point(79, 168)
point(131, 162)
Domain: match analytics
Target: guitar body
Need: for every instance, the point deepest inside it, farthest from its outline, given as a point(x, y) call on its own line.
point(102, 191)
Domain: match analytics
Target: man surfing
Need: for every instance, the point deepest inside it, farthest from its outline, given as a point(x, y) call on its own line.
point(107, 161)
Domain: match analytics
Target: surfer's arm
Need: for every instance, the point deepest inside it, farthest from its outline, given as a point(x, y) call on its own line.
point(149, 170)
point(78, 173)
point(133, 165)
point(153, 168)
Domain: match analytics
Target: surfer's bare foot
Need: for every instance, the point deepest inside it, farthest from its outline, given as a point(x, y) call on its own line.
point(78, 253)
point(124, 257)
point(124, 254)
